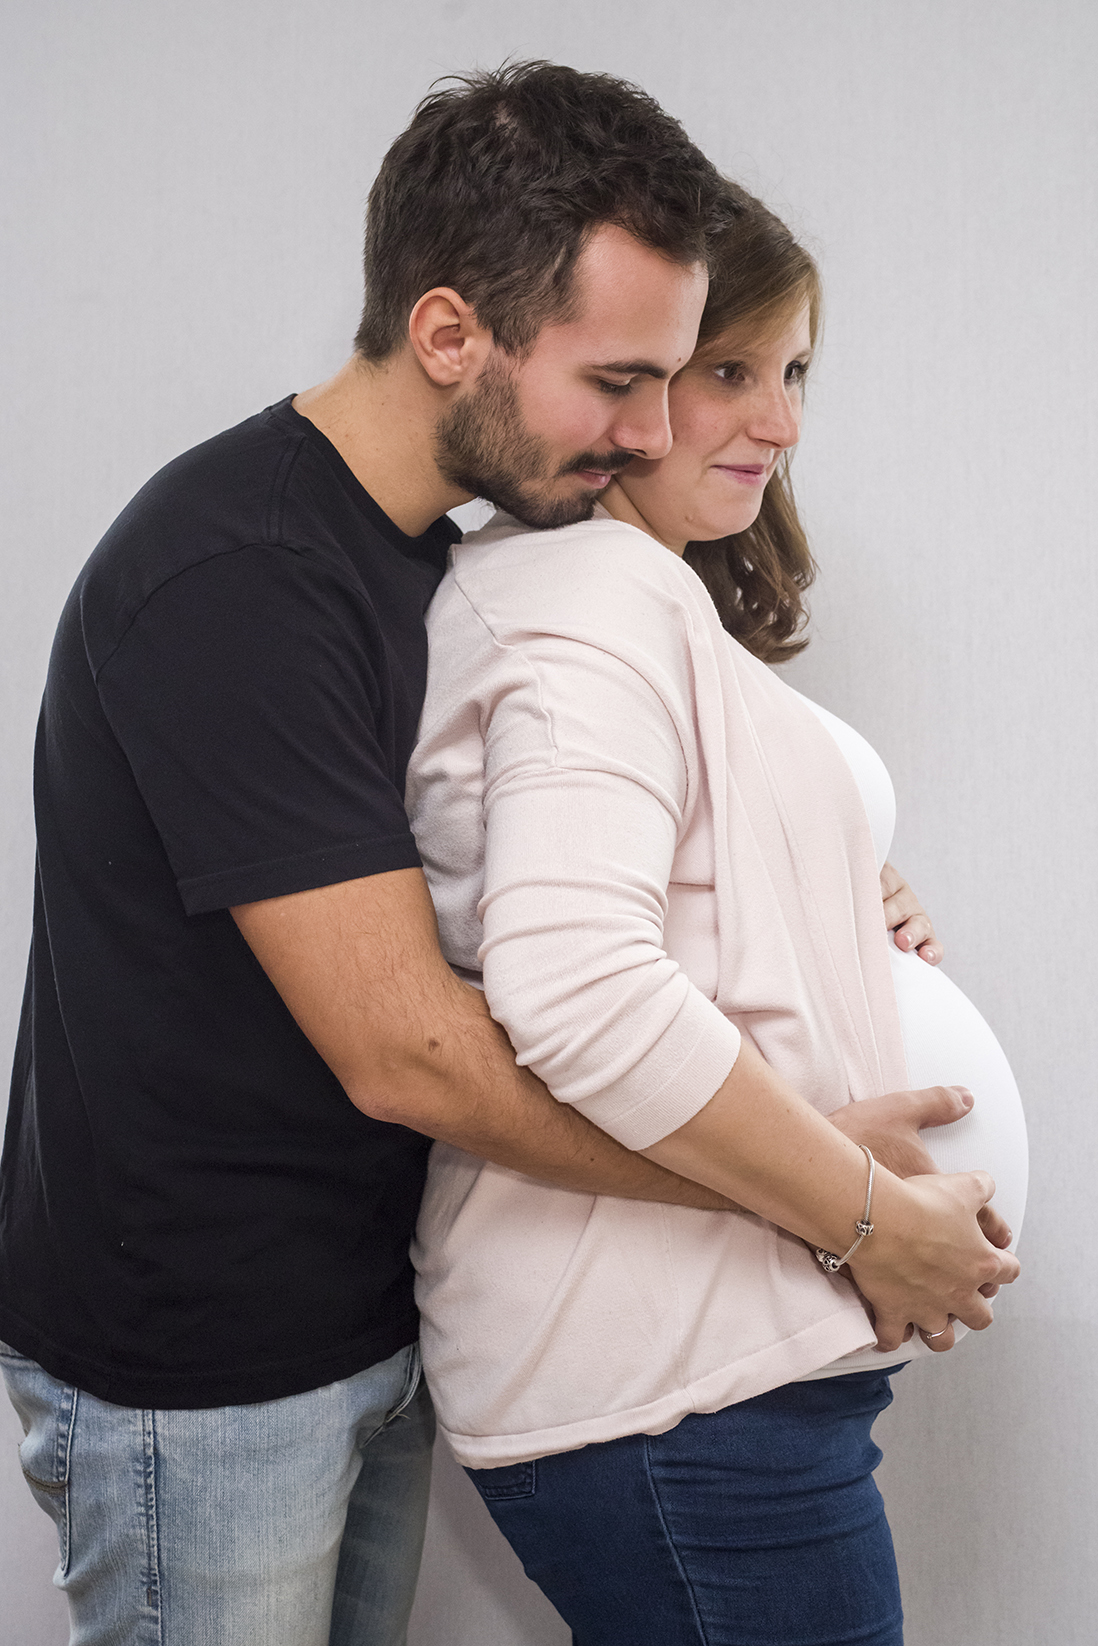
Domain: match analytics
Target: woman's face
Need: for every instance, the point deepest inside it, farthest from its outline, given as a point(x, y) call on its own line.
point(735, 408)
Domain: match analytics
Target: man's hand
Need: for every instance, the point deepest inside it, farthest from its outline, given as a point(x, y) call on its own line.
point(907, 919)
point(889, 1126)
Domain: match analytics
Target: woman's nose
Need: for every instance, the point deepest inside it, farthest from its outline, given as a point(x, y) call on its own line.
point(776, 416)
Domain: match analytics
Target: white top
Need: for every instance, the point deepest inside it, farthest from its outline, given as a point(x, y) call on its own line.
point(649, 844)
point(947, 1043)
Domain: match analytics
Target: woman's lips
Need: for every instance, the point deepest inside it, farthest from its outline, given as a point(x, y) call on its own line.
point(748, 474)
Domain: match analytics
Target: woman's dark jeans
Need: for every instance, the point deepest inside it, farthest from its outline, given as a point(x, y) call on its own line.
point(759, 1525)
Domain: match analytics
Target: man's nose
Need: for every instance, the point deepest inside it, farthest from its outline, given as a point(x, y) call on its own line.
point(644, 427)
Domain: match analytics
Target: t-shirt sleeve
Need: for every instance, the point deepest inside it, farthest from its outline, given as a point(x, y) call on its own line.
point(252, 698)
point(585, 790)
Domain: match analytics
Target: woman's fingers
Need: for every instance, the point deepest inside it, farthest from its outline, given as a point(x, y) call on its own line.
point(978, 1184)
point(929, 1261)
point(982, 1186)
point(918, 934)
point(994, 1227)
point(934, 1327)
point(892, 1335)
point(911, 932)
point(906, 918)
point(976, 1313)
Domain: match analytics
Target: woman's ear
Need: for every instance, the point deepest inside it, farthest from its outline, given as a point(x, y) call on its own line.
point(448, 341)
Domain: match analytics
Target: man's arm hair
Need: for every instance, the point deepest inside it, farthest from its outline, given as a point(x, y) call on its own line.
point(358, 965)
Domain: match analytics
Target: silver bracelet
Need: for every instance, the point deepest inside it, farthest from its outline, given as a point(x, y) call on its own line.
point(864, 1227)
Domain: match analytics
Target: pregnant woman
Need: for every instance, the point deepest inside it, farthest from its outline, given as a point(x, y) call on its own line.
point(666, 863)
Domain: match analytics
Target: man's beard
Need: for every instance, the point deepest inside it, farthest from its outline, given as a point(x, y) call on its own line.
point(483, 445)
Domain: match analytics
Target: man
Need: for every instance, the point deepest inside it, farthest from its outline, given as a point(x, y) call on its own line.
point(204, 1279)
point(204, 1282)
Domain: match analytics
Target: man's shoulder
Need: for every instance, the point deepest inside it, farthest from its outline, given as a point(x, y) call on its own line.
point(234, 491)
point(218, 494)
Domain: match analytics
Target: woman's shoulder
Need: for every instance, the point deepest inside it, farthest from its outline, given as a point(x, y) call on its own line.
point(600, 571)
point(505, 540)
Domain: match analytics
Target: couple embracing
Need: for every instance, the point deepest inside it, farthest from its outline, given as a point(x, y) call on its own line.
point(611, 933)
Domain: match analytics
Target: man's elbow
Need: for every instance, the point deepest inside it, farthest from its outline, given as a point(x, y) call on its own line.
point(388, 1102)
point(403, 1087)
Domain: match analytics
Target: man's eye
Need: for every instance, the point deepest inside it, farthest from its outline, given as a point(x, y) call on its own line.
point(614, 388)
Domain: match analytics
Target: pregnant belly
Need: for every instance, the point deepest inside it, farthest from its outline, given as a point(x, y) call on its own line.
point(948, 1044)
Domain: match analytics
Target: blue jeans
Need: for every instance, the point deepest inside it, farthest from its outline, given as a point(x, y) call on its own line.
point(294, 1522)
point(759, 1525)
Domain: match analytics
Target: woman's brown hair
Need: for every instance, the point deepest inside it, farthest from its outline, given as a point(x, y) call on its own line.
point(760, 279)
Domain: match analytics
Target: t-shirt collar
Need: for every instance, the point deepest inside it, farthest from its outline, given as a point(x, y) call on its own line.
point(431, 545)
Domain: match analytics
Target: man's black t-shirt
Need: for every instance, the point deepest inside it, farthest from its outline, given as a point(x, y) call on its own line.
point(192, 1212)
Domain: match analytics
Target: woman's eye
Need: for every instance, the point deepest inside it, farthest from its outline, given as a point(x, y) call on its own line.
point(614, 388)
point(796, 371)
point(732, 372)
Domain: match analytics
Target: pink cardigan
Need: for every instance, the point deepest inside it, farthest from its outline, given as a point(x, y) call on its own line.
point(608, 792)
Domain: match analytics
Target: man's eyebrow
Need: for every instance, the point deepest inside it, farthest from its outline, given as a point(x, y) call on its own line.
point(634, 368)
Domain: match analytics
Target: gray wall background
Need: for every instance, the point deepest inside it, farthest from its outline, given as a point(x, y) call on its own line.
point(182, 197)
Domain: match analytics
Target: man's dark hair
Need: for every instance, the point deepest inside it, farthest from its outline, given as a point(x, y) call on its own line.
point(499, 180)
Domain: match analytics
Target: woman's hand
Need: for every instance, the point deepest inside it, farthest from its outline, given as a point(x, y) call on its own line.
point(927, 1260)
point(906, 918)
point(759, 1144)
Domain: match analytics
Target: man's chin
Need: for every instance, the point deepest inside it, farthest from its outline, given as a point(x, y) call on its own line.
point(545, 513)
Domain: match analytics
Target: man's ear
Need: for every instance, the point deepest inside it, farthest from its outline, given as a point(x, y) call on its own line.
point(449, 343)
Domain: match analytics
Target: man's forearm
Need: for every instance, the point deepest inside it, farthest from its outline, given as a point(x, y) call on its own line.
point(359, 967)
point(463, 1087)
point(513, 1120)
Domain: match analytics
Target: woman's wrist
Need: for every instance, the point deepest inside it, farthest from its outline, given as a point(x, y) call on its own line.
point(763, 1147)
point(912, 1235)
point(863, 1228)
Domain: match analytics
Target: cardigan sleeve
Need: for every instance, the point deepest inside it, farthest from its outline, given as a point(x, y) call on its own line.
point(586, 786)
